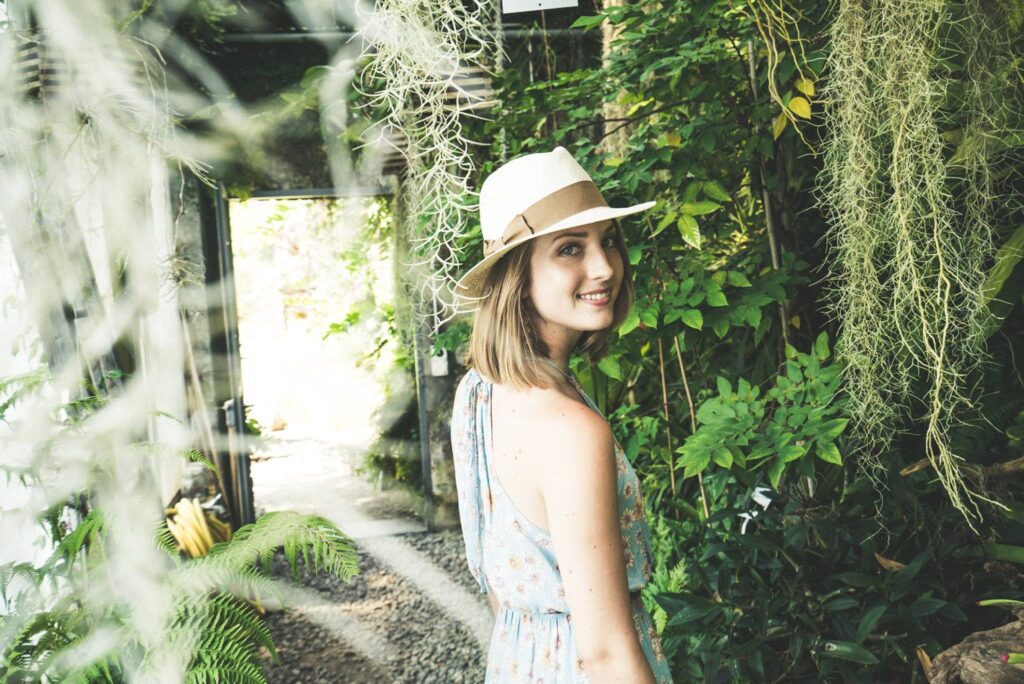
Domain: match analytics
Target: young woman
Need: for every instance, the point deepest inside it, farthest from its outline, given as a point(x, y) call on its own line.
point(551, 510)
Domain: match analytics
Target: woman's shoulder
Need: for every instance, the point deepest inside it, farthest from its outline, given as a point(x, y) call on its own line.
point(565, 425)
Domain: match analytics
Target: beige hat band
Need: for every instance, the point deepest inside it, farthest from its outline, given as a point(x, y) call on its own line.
point(561, 204)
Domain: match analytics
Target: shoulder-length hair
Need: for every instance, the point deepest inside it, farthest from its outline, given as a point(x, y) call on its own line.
point(504, 346)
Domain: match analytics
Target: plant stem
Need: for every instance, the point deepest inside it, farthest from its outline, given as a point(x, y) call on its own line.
point(668, 426)
point(693, 420)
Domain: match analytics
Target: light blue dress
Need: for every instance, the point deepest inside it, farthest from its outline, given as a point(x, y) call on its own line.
point(514, 559)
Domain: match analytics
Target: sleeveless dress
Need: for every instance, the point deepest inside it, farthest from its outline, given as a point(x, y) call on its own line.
point(515, 560)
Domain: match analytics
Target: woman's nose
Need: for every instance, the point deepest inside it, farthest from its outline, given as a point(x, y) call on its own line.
point(599, 265)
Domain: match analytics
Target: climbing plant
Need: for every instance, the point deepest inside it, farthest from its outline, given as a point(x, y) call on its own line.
point(919, 107)
point(414, 53)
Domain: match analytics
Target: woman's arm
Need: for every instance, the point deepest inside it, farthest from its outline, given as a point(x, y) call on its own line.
point(494, 603)
point(578, 483)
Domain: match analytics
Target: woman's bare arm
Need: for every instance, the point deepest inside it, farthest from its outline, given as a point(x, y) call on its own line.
point(578, 483)
point(494, 603)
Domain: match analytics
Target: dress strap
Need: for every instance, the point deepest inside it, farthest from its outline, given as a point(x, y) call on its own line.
point(470, 428)
point(586, 397)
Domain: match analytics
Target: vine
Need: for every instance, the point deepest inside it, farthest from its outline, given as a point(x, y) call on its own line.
point(911, 248)
point(416, 50)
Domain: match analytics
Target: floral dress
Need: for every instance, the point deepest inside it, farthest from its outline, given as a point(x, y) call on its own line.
point(515, 560)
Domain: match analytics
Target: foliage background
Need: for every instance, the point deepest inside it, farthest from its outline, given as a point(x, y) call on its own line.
point(789, 546)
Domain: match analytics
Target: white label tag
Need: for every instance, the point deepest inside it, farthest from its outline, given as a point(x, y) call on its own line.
point(439, 365)
point(513, 6)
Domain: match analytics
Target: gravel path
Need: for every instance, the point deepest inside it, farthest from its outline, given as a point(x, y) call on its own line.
point(381, 627)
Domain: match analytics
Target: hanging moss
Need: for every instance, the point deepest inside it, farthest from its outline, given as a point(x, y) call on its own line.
point(911, 217)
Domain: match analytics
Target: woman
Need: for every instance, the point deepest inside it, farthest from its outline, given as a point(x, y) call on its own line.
point(551, 511)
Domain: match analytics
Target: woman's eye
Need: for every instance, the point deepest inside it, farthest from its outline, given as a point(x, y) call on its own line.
point(609, 242)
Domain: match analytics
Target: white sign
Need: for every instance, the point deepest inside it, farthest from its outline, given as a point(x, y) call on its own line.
point(439, 364)
point(512, 6)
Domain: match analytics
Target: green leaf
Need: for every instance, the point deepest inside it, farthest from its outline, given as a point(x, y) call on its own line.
point(1001, 602)
point(869, 621)
point(737, 279)
point(724, 386)
point(717, 298)
point(1003, 552)
point(791, 452)
point(715, 191)
point(829, 453)
point(752, 316)
point(630, 324)
point(699, 208)
point(801, 107)
point(925, 606)
point(805, 86)
point(821, 346)
point(666, 220)
point(636, 253)
point(720, 326)
point(1007, 258)
point(831, 429)
point(609, 365)
point(775, 472)
point(779, 125)
point(723, 457)
point(693, 318)
point(847, 650)
point(690, 191)
point(689, 230)
point(841, 603)
point(587, 21)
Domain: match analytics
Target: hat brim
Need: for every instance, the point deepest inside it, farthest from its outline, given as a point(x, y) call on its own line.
point(469, 289)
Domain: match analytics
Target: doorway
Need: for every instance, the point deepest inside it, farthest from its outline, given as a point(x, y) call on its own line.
point(314, 286)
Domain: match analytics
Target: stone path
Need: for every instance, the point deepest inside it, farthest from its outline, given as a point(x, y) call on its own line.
point(412, 615)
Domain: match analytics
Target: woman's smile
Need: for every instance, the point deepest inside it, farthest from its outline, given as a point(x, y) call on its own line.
point(598, 298)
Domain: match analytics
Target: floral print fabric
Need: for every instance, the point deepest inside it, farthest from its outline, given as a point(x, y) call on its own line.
point(515, 560)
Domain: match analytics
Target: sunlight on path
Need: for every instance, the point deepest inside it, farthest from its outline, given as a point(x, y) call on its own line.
point(315, 477)
point(336, 618)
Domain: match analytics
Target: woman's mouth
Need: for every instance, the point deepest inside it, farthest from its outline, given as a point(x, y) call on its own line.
point(596, 297)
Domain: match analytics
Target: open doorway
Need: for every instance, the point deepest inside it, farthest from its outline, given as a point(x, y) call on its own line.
point(314, 283)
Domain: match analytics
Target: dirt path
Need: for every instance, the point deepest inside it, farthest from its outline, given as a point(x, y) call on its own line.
point(412, 614)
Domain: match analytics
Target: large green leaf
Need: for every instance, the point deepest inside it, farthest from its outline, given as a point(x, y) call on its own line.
point(847, 650)
point(1007, 258)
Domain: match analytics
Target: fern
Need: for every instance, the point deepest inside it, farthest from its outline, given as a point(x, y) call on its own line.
point(17, 386)
point(234, 672)
point(321, 544)
point(84, 533)
point(24, 571)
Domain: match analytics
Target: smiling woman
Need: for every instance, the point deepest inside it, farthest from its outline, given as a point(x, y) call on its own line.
point(551, 511)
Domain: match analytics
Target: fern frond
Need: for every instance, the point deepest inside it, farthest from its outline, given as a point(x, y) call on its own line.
point(233, 672)
point(165, 541)
point(17, 386)
point(201, 576)
point(231, 610)
point(23, 571)
point(84, 533)
point(322, 545)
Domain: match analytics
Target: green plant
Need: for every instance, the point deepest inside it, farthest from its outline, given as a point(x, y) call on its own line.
point(65, 619)
point(795, 421)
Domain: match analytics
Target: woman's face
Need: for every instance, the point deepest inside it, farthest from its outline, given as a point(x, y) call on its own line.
point(575, 277)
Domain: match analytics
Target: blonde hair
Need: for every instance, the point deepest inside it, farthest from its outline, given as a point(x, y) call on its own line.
point(504, 346)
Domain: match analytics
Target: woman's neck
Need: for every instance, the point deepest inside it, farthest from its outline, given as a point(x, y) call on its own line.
point(560, 343)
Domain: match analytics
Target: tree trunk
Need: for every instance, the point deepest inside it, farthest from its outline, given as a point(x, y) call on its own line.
point(613, 144)
point(978, 658)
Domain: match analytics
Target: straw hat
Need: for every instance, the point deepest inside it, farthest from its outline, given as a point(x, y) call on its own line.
point(530, 196)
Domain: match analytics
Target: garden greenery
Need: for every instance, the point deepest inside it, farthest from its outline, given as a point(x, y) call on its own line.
point(820, 377)
point(911, 220)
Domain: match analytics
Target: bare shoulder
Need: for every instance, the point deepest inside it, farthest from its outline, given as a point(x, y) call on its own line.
point(568, 429)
